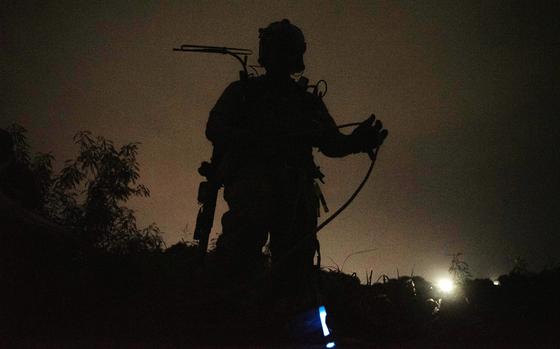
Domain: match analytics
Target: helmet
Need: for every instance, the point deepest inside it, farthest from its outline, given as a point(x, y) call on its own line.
point(281, 47)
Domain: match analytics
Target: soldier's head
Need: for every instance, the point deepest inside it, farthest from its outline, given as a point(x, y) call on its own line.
point(281, 48)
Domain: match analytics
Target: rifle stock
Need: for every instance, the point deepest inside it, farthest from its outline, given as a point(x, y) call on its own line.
point(207, 196)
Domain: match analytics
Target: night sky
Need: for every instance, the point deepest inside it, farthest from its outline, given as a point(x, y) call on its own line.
point(468, 90)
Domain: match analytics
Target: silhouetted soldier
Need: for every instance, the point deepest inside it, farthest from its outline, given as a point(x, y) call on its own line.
point(263, 130)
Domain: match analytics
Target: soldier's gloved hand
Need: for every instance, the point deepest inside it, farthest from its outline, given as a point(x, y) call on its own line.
point(368, 135)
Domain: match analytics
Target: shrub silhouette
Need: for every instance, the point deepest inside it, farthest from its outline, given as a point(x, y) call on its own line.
point(138, 293)
point(459, 269)
point(89, 193)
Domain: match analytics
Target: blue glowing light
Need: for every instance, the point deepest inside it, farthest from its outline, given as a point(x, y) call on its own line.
point(323, 316)
point(330, 345)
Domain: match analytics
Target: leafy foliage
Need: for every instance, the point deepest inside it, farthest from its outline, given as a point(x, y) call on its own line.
point(88, 194)
point(21, 147)
point(459, 269)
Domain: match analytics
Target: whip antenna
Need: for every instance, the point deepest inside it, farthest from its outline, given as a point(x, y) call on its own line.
point(238, 53)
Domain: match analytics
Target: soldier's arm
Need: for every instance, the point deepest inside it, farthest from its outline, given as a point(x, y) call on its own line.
point(223, 126)
point(329, 139)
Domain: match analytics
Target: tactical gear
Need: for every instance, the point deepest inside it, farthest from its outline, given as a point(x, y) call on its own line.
point(262, 128)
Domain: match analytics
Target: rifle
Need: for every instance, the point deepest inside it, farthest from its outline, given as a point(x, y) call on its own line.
point(208, 189)
point(207, 196)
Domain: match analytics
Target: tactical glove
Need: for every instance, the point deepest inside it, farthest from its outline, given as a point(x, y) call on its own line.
point(368, 136)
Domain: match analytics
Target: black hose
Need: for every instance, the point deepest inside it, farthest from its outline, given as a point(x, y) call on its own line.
point(352, 197)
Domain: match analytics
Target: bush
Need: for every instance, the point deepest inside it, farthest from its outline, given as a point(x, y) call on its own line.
point(89, 193)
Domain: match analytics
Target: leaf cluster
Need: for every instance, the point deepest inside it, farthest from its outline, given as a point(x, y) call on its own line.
point(459, 269)
point(89, 193)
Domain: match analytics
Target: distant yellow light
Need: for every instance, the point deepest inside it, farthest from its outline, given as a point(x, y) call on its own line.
point(446, 285)
point(496, 283)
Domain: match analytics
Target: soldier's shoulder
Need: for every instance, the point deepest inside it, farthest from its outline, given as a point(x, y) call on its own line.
point(254, 81)
point(310, 95)
point(248, 83)
point(304, 90)
point(311, 98)
point(234, 86)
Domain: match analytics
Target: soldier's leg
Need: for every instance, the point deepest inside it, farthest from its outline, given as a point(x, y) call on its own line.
point(245, 225)
point(242, 237)
point(293, 244)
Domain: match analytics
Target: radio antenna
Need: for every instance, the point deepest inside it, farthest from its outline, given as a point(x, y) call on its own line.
point(238, 53)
